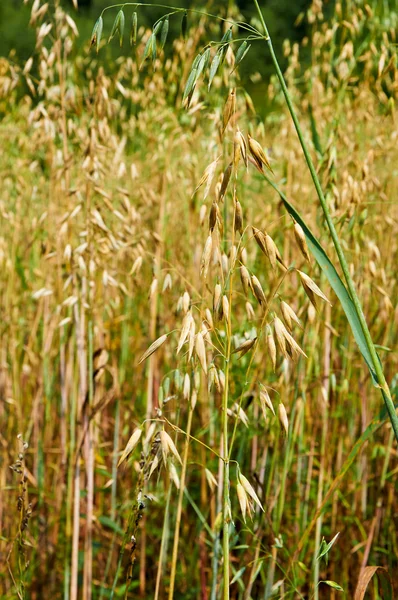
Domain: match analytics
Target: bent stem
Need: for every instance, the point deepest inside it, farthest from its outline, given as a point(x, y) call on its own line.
point(376, 364)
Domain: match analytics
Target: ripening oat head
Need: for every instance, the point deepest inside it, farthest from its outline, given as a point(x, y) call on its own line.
point(247, 486)
point(283, 417)
point(153, 347)
point(258, 154)
point(206, 256)
point(280, 336)
point(229, 109)
point(207, 177)
point(225, 308)
point(289, 316)
point(174, 475)
point(191, 339)
point(131, 444)
point(186, 392)
point(245, 347)
point(201, 351)
point(264, 397)
point(217, 300)
point(186, 325)
point(238, 223)
point(301, 241)
point(258, 290)
point(243, 500)
point(186, 302)
point(168, 445)
point(311, 286)
point(245, 279)
point(224, 184)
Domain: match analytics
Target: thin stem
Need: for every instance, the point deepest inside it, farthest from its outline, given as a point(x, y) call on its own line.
point(177, 9)
point(179, 508)
point(340, 253)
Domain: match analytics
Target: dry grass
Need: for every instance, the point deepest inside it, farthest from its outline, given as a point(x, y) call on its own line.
point(103, 251)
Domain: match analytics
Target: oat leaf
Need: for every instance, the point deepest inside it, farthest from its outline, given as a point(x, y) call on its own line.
point(241, 53)
point(215, 63)
point(336, 283)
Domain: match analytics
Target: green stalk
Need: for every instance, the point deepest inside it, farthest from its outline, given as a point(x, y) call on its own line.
point(343, 262)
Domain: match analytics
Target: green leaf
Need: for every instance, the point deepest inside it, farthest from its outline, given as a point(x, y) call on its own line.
point(134, 26)
point(164, 32)
point(225, 41)
point(153, 49)
point(214, 66)
point(203, 62)
point(335, 282)
point(108, 522)
point(241, 53)
point(190, 85)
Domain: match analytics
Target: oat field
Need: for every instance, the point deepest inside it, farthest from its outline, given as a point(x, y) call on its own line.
point(191, 403)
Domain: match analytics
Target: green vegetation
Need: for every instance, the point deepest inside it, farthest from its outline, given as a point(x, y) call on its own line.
point(190, 392)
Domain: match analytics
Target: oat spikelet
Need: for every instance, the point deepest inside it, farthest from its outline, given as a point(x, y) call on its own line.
point(229, 109)
point(283, 417)
point(186, 391)
point(225, 181)
point(245, 347)
point(216, 299)
point(131, 444)
point(153, 347)
point(289, 316)
point(206, 256)
point(207, 178)
point(240, 148)
point(264, 398)
point(247, 486)
point(260, 239)
point(238, 224)
point(168, 445)
point(186, 325)
point(186, 301)
point(212, 217)
point(209, 318)
point(192, 330)
point(245, 279)
point(271, 347)
point(258, 290)
point(250, 311)
point(301, 241)
point(258, 154)
point(136, 265)
point(280, 337)
point(311, 289)
point(243, 501)
point(201, 351)
point(225, 308)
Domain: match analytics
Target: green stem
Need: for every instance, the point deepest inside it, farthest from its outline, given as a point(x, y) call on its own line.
point(343, 262)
